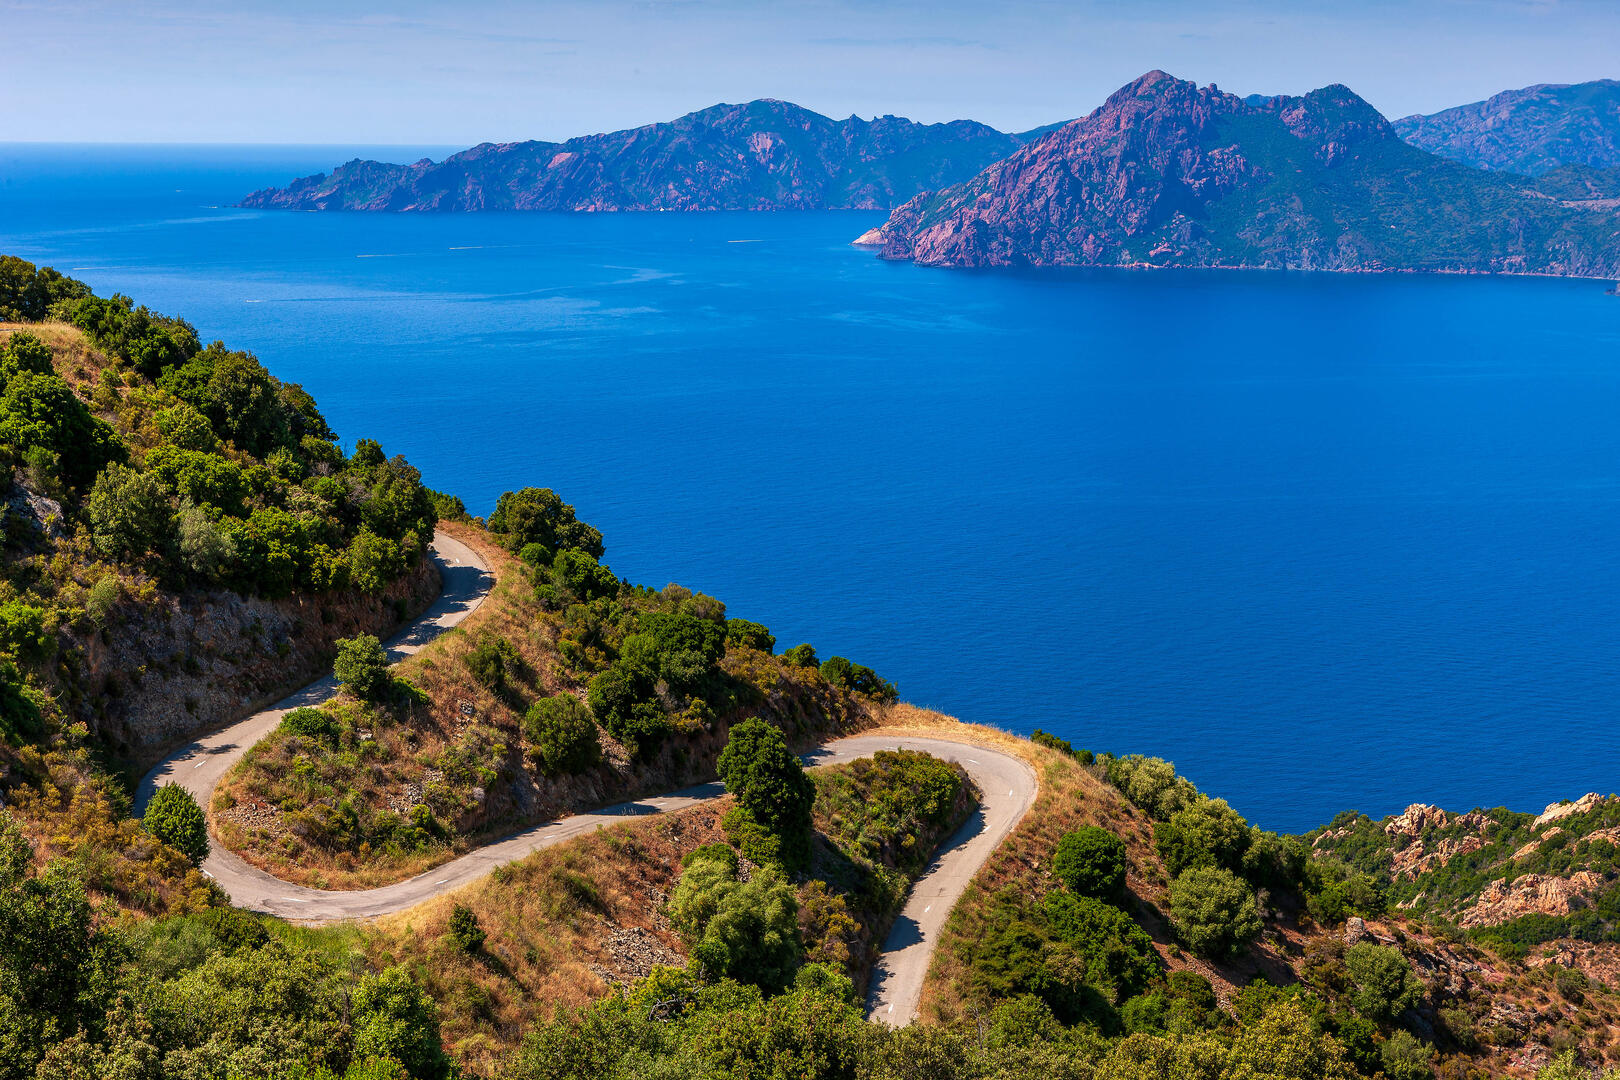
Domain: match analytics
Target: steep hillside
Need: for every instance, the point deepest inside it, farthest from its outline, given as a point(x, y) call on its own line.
point(564, 691)
point(1529, 131)
point(764, 155)
point(1166, 173)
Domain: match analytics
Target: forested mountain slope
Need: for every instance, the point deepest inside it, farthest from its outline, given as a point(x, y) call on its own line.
point(762, 155)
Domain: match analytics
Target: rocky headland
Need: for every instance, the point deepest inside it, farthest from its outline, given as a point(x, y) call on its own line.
point(763, 155)
point(1167, 173)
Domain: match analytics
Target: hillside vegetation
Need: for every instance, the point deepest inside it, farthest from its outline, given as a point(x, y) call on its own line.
point(181, 525)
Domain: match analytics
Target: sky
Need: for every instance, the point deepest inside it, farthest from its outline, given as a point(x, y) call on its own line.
point(295, 71)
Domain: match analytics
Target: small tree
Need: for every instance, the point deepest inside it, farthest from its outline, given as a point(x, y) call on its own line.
point(464, 931)
point(491, 661)
point(1385, 985)
point(770, 784)
point(562, 735)
point(1213, 911)
point(361, 667)
point(1091, 862)
point(394, 1018)
point(1207, 833)
point(174, 817)
point(129, 514)
point(801, 656)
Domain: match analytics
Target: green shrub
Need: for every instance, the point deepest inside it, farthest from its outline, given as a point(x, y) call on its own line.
point(847, 676)
point(174, 817)
point(464, 932)
point(129, 515)
point(1385, 986)
point(562, 735)
point(539, 516)
point(1207, 833)
point(1145, 1012)
point(1405, 1058)
point(749, 635)
point(1152, 785)
point(395, 1019)
point(582, 575)
point(361, 667)
point(621, 698)
point(801, 656)
point(1115, 955)
point(314, 724)
point(492, 661)
point(1213, 911)
point(1091, 862)
point(748, 931)
point(769, 782)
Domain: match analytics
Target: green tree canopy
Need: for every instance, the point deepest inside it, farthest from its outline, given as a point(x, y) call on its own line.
point(1213, 911)
point(1091, 862)
point(361, 667)
point(769, 783)
point(174, 817)
point(539, 516)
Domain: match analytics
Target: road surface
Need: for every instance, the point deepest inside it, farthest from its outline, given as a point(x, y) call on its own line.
point(1006, 784)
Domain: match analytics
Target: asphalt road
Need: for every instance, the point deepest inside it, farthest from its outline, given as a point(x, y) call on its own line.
point(1006, 784)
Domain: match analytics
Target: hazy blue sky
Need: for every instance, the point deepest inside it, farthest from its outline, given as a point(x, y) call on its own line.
point(301, 71)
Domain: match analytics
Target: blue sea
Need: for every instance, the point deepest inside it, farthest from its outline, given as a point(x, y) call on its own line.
point(1324, 541)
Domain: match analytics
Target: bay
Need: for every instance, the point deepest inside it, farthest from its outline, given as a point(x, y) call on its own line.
point(1324, 541)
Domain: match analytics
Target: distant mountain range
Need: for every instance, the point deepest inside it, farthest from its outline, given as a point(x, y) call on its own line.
point(1529, 131)
point(765, 155)
point(1166, 173)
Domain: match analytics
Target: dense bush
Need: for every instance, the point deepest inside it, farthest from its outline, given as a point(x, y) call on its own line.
point(1115, 954)
point(28, 294)
point(748, 931)
point(1091, 862)
point(801, 656)
point(621, 699)
point(749, 635)
point(361, 667)
point(770, 784)
point(310, 723)
point(1151, 784)
point(1384, 985)
point(174, 817)
point(464, 931)
point(491, 661)
point(1213, 911)
point(539, 516)
point(581, 575)
point(857, 677)
point(1062, 746)
point(561, 735)
point(1207, 833)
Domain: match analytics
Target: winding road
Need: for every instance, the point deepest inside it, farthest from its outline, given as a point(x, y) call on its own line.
point(1006, 784)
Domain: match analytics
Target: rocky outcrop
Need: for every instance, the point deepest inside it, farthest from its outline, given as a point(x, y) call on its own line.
point(167, 669)
point(1167, 173)
point(1530, 894)
point(1558, 811)
point(1529, 131)
point(764, 155)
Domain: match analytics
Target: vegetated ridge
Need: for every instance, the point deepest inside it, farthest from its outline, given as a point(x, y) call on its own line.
point(1167, 173)
point(763, 155)
point(1530, 131)
point(1131, 925)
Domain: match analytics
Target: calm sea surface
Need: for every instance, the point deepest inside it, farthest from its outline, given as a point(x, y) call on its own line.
point(1323, 541)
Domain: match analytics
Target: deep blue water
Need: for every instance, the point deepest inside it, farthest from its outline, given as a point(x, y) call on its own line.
point(1323, 541)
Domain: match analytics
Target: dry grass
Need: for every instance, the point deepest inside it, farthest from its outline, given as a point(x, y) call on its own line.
point(551, 920)
point(407, 744)
point(77, 361)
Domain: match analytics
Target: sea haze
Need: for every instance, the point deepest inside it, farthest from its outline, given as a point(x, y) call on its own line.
point(1325, 541)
